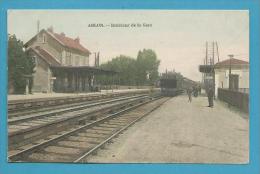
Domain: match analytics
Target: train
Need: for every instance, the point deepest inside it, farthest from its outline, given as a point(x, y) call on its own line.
point(175, 84)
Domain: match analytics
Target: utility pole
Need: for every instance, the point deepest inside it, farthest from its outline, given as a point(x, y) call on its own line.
point(98, 59)
point(206, 53)
point(217, 51)
point(230, 57)
point(213, 52)
point(229, 77)
point(213, 65)
point(96, 63)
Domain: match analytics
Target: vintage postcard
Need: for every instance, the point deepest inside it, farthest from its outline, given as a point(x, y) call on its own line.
point(128, 86)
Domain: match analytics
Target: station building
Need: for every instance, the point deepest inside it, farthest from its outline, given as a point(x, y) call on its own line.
point(62, 63)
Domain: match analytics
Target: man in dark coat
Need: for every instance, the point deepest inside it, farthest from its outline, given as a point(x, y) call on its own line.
point(199, 89)
point(195, 91)
point(210, 97)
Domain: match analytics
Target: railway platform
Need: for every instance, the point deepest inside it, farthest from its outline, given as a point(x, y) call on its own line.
point(14, 97)
point(183, 132)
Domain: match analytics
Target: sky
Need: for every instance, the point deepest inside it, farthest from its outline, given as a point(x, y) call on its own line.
point(177, 36)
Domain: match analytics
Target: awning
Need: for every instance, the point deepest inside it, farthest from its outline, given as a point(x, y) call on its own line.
point(84, 69)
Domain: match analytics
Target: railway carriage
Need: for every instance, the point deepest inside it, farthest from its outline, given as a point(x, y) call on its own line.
point(173, 85)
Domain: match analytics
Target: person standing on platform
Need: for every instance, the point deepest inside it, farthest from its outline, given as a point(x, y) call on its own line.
point(189, 92)
point(195, 91)
point(210, 97)
point(199, 89)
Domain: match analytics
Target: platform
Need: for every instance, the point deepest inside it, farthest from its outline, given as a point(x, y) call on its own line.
point(183, 132)
point(13, 97)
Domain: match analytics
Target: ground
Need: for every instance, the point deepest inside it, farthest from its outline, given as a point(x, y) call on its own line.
point(183, 132)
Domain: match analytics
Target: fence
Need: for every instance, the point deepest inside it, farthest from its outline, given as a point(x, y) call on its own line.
point(235, 98)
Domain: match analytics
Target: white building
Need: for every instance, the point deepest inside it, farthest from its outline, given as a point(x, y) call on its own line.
point(239, 75)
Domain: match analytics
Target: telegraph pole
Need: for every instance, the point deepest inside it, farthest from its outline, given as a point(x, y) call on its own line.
point(213, 66)
point(230, 57)
point(213, 52)
point(206, 53)
point(229, 79)
point(217, 51)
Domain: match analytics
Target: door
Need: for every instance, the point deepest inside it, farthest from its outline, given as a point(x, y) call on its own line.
point(234, 80)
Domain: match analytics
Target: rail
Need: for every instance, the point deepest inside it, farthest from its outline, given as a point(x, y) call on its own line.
point(20, 156)
point(25, 104)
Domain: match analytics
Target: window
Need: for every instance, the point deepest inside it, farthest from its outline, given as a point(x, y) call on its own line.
point(83, 60)
point(34, 59)
point(44, 39)
point(62, 60)
point(68, 58)
point(77, 60)
point(67, 61)
point(68, 54)
point(70, 61)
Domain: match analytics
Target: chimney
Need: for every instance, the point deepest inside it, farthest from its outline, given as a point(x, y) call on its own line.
point(50, 29)
point(38, 30)
point(77, 40)
point(62, 34)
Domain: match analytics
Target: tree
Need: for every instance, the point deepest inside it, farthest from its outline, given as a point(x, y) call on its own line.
point(147, 65)
point(125, 66)
point(134, 71)
point(19, 64)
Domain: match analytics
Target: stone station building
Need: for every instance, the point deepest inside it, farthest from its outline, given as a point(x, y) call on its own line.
point(62, 63)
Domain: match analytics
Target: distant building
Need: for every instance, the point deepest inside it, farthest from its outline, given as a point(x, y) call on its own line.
point(62, 63)
point(239, 75)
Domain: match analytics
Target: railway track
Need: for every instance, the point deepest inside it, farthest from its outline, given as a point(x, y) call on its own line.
point(22, 117)
point(29, 111)
point(78, 142)
point(27, 107)
point(24, 129)
point(39, 103)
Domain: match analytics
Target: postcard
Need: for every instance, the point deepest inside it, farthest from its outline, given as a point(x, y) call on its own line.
point(128, 86)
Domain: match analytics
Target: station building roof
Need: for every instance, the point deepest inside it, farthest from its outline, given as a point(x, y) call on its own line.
point(234, 63)
point(56, 66)
point(63, 40)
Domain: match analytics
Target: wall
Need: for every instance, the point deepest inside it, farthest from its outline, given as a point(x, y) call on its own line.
point(83, 60)
point(50, 45)
point(41, 76)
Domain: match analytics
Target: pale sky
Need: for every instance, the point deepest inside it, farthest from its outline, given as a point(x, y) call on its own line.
point(178, 37)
